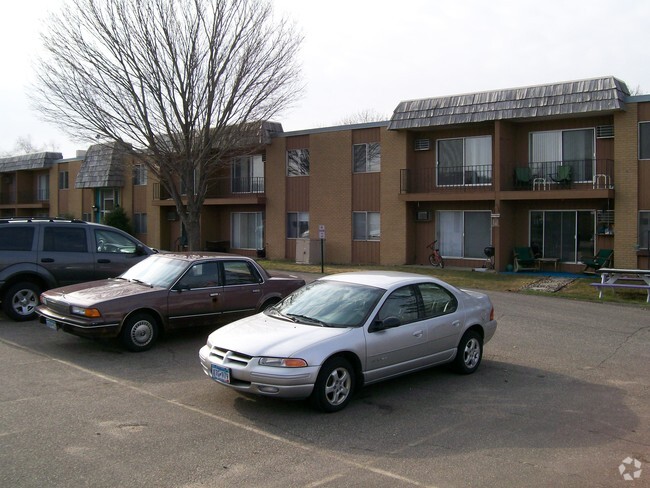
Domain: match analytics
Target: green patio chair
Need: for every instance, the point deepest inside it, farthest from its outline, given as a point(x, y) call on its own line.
point(524, 259)
point(563, 176)
point(523, 177)
point(602, 259)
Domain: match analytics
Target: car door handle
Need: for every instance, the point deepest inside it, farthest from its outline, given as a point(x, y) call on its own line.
point(456, 323)
point(213, 295)
point(103, 261)
point(418, 333)
point(47, 260)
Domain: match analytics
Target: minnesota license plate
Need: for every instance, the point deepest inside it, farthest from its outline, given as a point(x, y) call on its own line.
point(220, 374)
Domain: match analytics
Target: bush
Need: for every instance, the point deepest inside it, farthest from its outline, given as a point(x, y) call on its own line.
point(117, 218)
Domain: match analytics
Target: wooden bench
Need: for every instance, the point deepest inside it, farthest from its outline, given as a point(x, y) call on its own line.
point(633, 279)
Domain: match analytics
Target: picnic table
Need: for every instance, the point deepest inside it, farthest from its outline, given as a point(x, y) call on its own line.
point(636, 279)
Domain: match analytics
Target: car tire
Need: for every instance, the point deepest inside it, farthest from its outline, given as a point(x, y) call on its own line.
point(20, 301)
point(139, 332)
point(269, 303)
point(334, 385)
point(469, 353)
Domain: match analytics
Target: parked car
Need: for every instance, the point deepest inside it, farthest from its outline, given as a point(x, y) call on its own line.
point(37, 254)
point(343, 331)
point(165, 291)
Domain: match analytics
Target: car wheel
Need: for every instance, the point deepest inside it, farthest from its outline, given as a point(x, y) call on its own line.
point(139, 332)
point(20, 301)
point(470, 353)
point(269, 303)
point(334, 385)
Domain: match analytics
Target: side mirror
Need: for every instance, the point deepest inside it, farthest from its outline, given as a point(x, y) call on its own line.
point(139, 250)
point(387, 323)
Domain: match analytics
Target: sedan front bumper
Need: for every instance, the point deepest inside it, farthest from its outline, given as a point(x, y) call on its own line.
point(250, 377)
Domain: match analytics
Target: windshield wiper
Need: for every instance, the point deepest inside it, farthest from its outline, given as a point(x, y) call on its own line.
point(140, 282)
point(297, 317)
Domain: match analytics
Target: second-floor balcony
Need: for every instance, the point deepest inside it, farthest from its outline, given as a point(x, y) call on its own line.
point(24, 197)
point(223, 188)
point(448, 178)
point(595, 174)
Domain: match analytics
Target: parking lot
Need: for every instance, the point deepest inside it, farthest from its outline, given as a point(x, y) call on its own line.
point(562, 398)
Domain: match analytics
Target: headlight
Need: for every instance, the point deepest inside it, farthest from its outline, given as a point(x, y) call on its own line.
point(91, 313)
point(283, 362)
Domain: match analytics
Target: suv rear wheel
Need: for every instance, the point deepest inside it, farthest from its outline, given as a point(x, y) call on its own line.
point(20, 301)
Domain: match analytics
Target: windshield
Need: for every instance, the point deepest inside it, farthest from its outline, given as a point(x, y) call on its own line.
point(329, 304)
point(156, 270)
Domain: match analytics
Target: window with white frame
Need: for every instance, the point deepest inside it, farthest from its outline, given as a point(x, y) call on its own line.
point(297, 225)
point(563, 234)
point(644, 229)
point(247, 230)
point(644, 140)
point(63, 180)
point(575, 148)
point(109, 198)
point(298, 162)
point(248, 174)
point(465, 161)
point(139, 174)
point(366, 226)
point(43, 187)
point(366, 157)
point(140, 223)
point(464, 234)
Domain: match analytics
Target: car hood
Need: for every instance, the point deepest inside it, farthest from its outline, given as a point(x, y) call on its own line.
point(85, 294)
point(261, 335)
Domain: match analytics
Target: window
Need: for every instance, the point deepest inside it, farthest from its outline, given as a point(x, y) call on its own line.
point(239, 273)
point(402, 303)
point(139, 174)
point(109, 198)
point(644, 140)
point(297, 225)
point(43, 187)
point(565, 235)
point(202, 275)
point(575, 148)
point(298, 162)
point(366, 226)
point(436, 300)
point(465, 161)
point(140, 223)
point(248, 174)
point(63, 180)
point(464, 234)
point(114, 242)
point(366, 157)
point(644, 229)
point(247, 229)
point(14, 238)
point(64, 239)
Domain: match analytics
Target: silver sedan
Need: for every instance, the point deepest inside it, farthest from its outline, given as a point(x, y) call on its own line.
point(342, 331)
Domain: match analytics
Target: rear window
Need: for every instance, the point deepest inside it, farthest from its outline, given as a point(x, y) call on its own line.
point(16, 238)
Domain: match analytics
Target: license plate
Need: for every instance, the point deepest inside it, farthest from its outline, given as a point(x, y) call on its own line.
point(220, 374)
point(51, 324)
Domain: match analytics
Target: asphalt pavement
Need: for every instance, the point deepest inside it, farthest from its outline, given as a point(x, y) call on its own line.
point(562, 398)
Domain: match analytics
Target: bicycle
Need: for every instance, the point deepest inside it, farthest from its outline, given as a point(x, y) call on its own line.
point(435, 257)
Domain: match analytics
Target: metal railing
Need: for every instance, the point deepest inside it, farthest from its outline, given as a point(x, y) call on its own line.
point(221, 188)
point(24, 197)
point(597, 173)
point(426, 180)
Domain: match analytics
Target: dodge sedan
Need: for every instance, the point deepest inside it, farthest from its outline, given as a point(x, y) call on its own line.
point(342, 331)
point(163, 292)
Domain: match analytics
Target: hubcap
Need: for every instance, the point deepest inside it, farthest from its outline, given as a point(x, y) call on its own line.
point(142, 333)
point(25, 302)
point(337, 387)
point(472, 353)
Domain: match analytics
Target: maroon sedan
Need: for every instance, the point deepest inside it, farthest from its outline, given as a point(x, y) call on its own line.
point(163, 292)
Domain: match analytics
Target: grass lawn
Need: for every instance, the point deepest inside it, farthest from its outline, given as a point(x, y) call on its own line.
point(578, 289)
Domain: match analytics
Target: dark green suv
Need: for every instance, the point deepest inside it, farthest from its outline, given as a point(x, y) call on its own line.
point(39, 254)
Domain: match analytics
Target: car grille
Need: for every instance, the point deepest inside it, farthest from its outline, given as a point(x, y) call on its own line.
point(59, 307)
point(225, 356)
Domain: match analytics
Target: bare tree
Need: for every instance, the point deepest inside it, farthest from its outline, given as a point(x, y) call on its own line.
point(363, 116)
point(184, 82)
point(25, 145)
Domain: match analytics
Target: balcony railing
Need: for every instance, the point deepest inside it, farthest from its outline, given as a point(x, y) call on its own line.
point(593, 173)
point(24, 197)
point(426, 180)
point(222, 188)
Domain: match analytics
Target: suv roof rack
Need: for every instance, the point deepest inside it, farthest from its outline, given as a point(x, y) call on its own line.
point(41, 219)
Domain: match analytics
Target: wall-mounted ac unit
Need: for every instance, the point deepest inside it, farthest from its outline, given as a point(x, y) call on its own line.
point(423, 216)
point(604, 131)
point(422, 144)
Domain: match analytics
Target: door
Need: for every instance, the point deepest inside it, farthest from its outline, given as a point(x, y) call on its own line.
point(242, 290)
point(398, 349)
point(115, 252)
point(64, 251)
point(197, 298)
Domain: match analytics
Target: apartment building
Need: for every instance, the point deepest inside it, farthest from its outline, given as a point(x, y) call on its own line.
point(563, 168)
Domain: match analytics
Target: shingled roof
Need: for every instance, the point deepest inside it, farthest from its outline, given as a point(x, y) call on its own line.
point(581, 97)
point(29, 161)
point(103, 166)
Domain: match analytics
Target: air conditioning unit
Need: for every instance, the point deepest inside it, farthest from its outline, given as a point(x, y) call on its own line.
point(604, 131)
point(423, 216)
point(422, 144)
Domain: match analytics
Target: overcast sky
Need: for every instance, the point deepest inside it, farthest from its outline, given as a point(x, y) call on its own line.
point(368, 55)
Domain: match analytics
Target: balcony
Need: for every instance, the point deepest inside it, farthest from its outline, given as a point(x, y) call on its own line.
point(39, 197)
point(224, 188)
point(447, 179)
point(582, 174)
